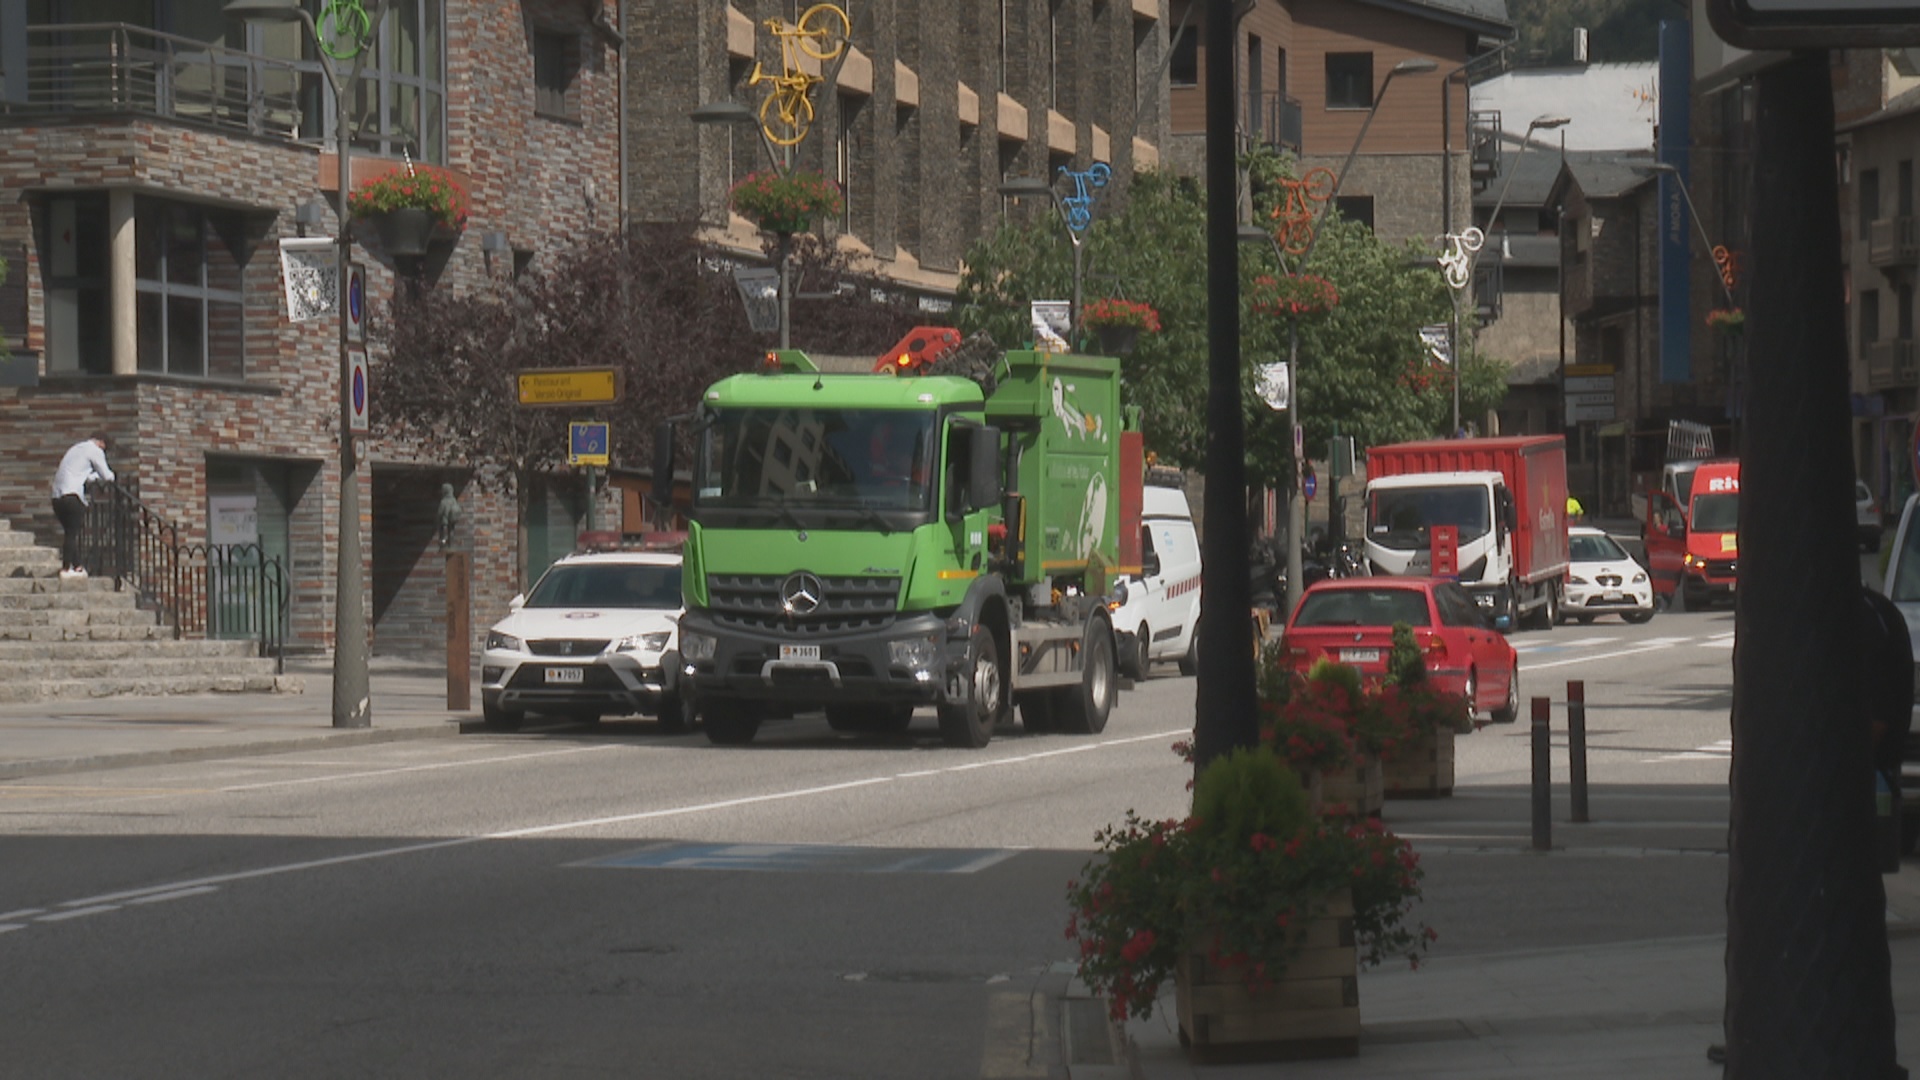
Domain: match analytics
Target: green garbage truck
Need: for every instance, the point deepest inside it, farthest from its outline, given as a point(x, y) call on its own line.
point(945, 530)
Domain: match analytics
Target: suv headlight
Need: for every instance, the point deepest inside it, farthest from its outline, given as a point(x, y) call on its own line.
point(1576, 579)
point(498, 640)
point(1640, 579)
point(696, 646)
point(649, 642)
point(915, 654)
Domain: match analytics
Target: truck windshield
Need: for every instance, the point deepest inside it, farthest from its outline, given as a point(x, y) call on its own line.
point(1717, 513)
point(1402, 517)
point(858, 459)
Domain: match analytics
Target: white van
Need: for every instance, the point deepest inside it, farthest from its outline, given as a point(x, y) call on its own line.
point(1157, 615)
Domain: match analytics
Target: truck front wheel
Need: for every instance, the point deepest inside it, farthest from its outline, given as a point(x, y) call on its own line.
point(730, 722)
point(1089, 703)
point(970, 723)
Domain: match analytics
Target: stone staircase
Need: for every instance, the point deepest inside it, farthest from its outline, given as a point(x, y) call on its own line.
point(81, 639)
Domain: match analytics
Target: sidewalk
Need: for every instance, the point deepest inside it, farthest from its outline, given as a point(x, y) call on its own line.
point(409, 701)
point(1647, 1008)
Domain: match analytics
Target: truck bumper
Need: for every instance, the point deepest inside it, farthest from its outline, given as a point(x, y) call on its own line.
point(824, 669)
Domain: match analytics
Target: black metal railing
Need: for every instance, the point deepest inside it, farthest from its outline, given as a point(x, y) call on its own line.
point(227, 591)
point(82, 68)
point(1281, 120)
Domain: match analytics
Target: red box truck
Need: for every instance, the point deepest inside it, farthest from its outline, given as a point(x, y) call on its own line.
point(1507, 499)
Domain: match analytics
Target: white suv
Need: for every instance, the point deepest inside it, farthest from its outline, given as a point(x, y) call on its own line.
point(597, 636)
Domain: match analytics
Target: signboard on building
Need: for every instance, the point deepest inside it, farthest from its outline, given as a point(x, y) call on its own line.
point(569, 386)
point(233, 519)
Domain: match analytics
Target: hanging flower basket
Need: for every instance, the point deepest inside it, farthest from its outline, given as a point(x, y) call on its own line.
point(406, 206)
point(1118, 324)
point(785, 204)
point(1727, 320)
point(1294, 294)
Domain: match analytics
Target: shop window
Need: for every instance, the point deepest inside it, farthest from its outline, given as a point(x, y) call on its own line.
point(188, 302)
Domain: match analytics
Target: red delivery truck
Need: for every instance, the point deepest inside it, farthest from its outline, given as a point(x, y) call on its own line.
point(1505, 497)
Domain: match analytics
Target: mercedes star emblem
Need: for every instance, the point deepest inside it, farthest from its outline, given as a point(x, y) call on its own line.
point(801, 594)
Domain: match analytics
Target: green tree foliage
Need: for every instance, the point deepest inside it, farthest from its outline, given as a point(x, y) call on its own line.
point(1619, 31)
point(652, 303)
point(1362, 366)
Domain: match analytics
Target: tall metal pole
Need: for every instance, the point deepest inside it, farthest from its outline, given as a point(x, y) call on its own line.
point(351, 705)
point(1297, 503)
point(1073, 316)
point(783, 246)
point(1225, 702)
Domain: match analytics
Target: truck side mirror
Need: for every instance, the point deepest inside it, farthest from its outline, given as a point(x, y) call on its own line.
point(983, 468)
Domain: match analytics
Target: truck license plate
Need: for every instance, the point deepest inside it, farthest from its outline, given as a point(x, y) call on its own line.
point(1359, 656)
point(566, 675)
point(799, 652)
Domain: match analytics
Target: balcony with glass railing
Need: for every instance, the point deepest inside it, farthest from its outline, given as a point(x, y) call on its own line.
point(1890, 364)
point(1891, 242)
point(119, 69)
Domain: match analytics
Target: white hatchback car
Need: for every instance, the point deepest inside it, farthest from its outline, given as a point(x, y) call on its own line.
point(1604, 580)
point(597, 636)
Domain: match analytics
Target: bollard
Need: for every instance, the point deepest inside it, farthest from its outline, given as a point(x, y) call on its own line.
point(1542, 777)
point(459, 636)
point(1577, 747)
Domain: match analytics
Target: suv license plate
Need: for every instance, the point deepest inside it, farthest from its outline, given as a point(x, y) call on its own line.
point(799, 652)
point(1359, 656)
point(566, 675)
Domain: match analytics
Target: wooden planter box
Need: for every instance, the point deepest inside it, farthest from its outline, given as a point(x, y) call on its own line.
point(1423, 768)
point(1356, 791)
point(1311, 1011)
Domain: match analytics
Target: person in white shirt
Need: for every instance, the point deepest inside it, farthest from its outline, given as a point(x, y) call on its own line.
point(84, 461)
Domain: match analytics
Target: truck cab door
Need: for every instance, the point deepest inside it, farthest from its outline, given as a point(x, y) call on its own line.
point(1666, 542)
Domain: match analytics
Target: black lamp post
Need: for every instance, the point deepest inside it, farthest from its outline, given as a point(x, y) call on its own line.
point(781, 160)
point(1027, 187)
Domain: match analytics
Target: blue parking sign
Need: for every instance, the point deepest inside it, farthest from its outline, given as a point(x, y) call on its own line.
point(587, 443)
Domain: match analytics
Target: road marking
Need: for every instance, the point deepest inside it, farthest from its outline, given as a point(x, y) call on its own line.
point(110, 901)
point(1646, 647)
point(811, 858)
point(76, 913)
point(1719, 751)
point(398, 769)
point(1718, 641)
point(1556, 646)
point(23, 913)
point(177, 894)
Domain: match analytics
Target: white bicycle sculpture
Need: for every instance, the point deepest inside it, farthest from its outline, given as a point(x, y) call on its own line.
point(1456, 262)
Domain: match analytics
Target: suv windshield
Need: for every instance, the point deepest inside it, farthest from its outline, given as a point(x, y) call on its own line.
point(1400, 518)
point(608, 585)
point(862, 459)
point(1582, 548)
point(1717, 513)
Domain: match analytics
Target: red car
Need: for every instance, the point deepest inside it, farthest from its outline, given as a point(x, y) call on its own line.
point(1350, 620)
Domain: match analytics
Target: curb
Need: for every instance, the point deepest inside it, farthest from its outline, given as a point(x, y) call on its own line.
point(15, 770)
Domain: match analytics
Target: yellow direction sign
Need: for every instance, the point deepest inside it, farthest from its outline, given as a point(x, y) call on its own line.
point(569, 386)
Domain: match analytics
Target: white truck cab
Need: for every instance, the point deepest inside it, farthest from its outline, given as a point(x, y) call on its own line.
point(1157, 614)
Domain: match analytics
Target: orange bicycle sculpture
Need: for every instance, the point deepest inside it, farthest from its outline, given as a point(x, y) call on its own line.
point(787, 112)
point(1293, 218)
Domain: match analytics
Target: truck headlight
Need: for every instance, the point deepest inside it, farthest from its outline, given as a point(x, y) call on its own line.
point(914, 654)
point(1691, 560)
point(696, 646)
point(498, 640)
point(652, 642)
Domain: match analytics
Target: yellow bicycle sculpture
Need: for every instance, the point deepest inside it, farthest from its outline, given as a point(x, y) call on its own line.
point(787, 112)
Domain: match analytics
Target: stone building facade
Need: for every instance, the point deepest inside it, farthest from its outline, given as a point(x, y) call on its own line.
point(146, 238)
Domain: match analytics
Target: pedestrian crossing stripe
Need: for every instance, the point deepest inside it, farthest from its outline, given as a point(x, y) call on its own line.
point(804, 858)
point(1719, 751)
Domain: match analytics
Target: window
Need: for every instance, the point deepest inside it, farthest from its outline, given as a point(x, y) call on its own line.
point(1183, 67)
point(187, 296)
point(1869, 316)
point(1903, 198)
point(1349, 80)
point(1869, 201)
point(1256, 91)
point(1903, 310)
point(399, 103)
point(556, 68)
point(79, 323)
point(1356, 208)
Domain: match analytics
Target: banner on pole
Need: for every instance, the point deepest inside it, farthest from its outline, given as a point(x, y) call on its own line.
point(1052, 323)
point(313, 277)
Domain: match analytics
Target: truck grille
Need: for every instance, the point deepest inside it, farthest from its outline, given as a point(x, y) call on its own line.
point(1722, 568)
point(847, 604)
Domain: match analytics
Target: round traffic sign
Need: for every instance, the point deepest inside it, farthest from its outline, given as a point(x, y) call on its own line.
point(1310, 485)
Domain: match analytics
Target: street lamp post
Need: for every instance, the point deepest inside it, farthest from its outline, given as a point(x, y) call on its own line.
point(1699, 226)
point(781, 160)
point(1538, 123)
point(1297, 504)
point(1032, 187)
point(351, 702)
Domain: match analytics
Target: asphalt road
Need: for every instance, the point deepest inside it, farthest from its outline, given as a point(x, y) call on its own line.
point(620, 902)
